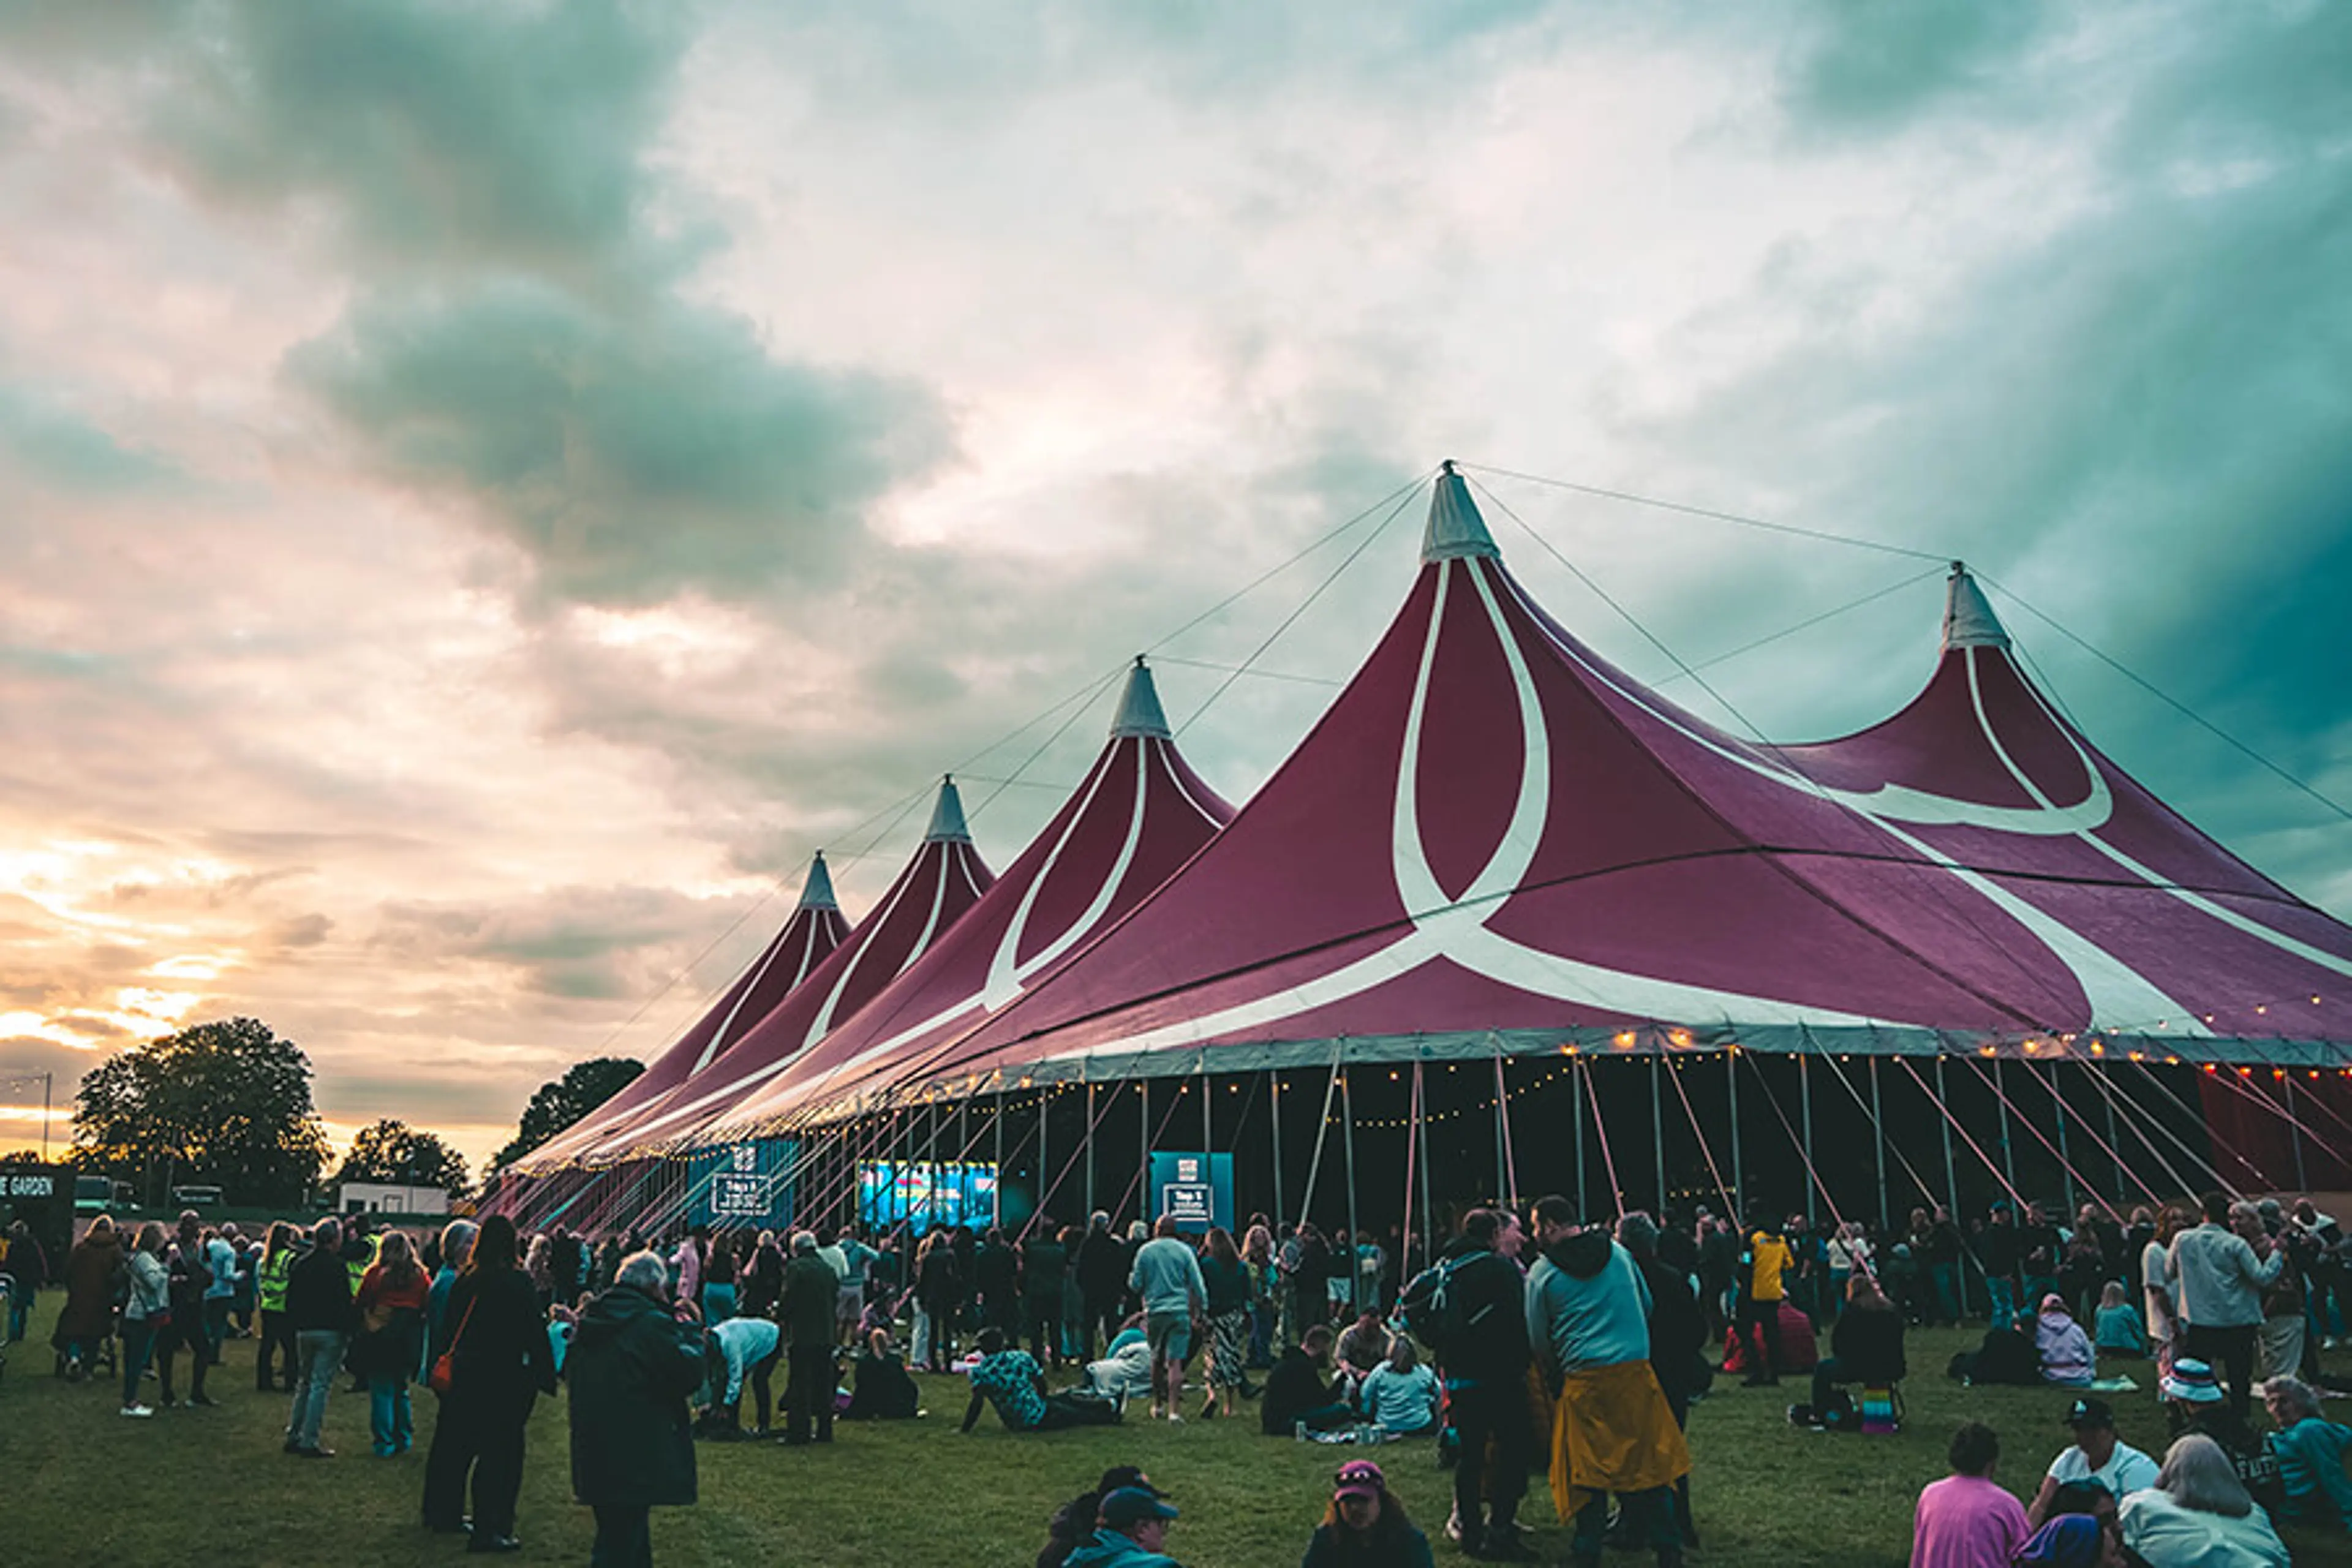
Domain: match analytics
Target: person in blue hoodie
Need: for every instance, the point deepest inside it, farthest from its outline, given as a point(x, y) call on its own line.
point(1131, 1526)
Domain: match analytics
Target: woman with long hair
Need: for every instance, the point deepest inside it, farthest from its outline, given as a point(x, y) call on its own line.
point(390, 1342)
point(939, 1287)
point(501, 1362)
point(1257, 1256)
point(146, 1311)
point(2198, 1514)
point(1365, 1525)
point(269, 1278)
point(1227, 1278)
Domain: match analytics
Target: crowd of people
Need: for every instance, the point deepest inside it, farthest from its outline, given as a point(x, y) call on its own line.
point(1533, 1344)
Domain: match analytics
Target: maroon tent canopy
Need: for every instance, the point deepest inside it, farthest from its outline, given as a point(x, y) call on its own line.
point(1496, 842)
point(1139, 814)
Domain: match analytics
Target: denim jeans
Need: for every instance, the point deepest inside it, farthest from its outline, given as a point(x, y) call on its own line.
point(717, 1304)
point(2004, 1301)
point(1948, 1299)
point(20, 1307)
point(318, 1356)
point(389, 1422)
point(138, 1344)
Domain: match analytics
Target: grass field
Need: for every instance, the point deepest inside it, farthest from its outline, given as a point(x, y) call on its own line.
point(79, 1484)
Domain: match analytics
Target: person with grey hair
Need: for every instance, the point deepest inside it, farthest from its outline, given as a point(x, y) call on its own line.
point(806, 1309)
point(2310, 1451)
point(634, 1364)
point(319, 1311)
point(2198, 1514)
point(456, 1246)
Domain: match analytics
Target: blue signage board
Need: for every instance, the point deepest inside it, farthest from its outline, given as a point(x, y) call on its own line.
point(1196, 1190)
point(744, 1186)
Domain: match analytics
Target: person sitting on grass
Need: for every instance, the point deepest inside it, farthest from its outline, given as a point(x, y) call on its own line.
point(2063, 1347)
point(731, 1351)
point(1401, 1394)
point(1125, 1370)
point(2119, 1331)
point(1365, 1525)
point(2097, 1454)
point(2193, 1403)
point(1865, 1346)
point(1362, 1349)
point(1074, 1522)
point(1966, 1519)
point(882, 1390)
point(2198, 1515)
point(1130, 1529)
point(1012, 1381)
point(2310, 1453)
point(1296, 1394)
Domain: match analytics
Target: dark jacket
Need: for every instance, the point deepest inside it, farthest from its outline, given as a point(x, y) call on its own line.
point(1045, 1263)
point(1868, 1345)
point(499, 1348)
point(91, 1269)
point(1401, 1546)
point(1494, 1349)
point(1293, 1388)
point(319, 1294)
point(883, 1391)
point(1677, 1330)
point(996, 1271)
point(938, 1281)
point(1102, 1266)
point(812, 1291)
point(631, 1369)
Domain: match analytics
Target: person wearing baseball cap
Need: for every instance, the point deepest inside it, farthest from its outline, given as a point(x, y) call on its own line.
point(1365, 1525)
point(2097, 1454)
point(1131, 1526)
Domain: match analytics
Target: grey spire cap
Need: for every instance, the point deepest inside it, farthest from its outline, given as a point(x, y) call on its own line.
point(1454, 529)
point(1969, 620)
point(1140, 713)
point(816, 893)
point(947, 816)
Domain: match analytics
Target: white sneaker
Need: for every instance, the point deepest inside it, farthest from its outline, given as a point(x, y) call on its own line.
point(136, 1410)
point(1174, 1419)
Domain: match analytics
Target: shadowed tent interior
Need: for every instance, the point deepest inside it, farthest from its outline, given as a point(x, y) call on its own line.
point(1507, 920)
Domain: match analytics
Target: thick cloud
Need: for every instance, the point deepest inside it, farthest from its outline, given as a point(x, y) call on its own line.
point(49, 445)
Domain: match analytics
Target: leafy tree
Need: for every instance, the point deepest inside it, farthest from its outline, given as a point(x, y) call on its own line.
point(559, 1104)
point(396, 1152)
point(224, 1104)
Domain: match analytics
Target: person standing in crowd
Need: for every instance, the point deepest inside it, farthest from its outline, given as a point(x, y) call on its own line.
point(2156, 1294)
point(1365, 1526)
point(501, 1362)
point(2198, 1514)
point(146, 1302)
point(220, 1291)
point(686, 1267)
point(318, 1312)
point(633, 1363)
point(456, 1248)
point(567, 1262)
point(938, 1291)
point(1266, 1283)
point(1483, 1359)
point(2311, 1453)
point(1588, 1324)
point(190, 1265)
point(719, 1279)
point(2325, 1285)
point(390, 1308)
point(1167, 1277)
point(2218, 1274)
point(1045, 1263)
point(1764, 1269)
point(26, 1268)
point(1677, 1339)
point(1228, 1282)
point(996, 1283)
point(93, 1267)
point(1102, 1279)
point(811, 1288)
point(2096, 1455)
point(1719, 1262)
point(2041, 1252)
point(1131, 1526)
point(277, 1337)
point(1998, 1252)
point(1967, 1519)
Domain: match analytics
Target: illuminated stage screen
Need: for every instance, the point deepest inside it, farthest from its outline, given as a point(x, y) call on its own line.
point(925, 1193)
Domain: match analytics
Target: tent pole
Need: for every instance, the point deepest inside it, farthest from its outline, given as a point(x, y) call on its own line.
point(1502, 1135)
point(1208, 1137)
point(2116, 1147)
point(1878, 1146)
point(2007, 1149)
point(1143, 1153)
point(1045, 1162)
point(1412, 1147)
point(2066, 1159)
point(1322, 1130)
point(1805, 1108)
point(1658, 1129)
point(1348, 1136)
point(1738, 1217)
point(2294, 1133)
point(996, 1193)
point(1090, 1153)
point(1575, 1109)
point(1428, 1213)
point(1951, 1179)
point(1273, 1102)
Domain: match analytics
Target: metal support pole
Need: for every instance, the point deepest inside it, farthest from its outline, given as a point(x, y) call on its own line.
point(1575, 1109)
point(1274, 1104)
point(996, 1190)
point(1658, 1127)
point(2066, 1159)
point(1738, 1178)
point(1502, 1134)
point(1428, 1214)
point(1805, 1108)
point(1951, 1179)
point(1090, 1153)
point(2115, 1149)
point(1348, 1133)
point(1878, 1147)
point(2294, 1132)
point(2007, 1149)
point(1045, 1160)
point(1143, 1153)
point(1208, 1135)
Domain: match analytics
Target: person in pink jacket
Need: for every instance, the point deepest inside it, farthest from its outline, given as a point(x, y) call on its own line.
point(1965, 1521)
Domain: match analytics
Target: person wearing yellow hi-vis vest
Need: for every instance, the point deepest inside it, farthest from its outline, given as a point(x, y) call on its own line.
point(279, 1250)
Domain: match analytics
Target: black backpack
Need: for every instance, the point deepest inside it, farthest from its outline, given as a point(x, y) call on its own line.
point(1430, 1309)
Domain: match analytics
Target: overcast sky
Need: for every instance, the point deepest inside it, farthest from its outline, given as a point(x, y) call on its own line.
point(486, 489)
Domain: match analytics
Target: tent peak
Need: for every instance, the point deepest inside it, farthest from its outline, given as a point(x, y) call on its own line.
point(1455, 529)
point(816, 893)
point(1969, 620)
point(1140, 713)
point(947, 816)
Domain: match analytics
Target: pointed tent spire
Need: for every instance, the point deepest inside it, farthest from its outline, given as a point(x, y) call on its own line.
point(816, 893)
point(1969, 620)
point(947, 816)
point(1454, 529)
point(1140, 714)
